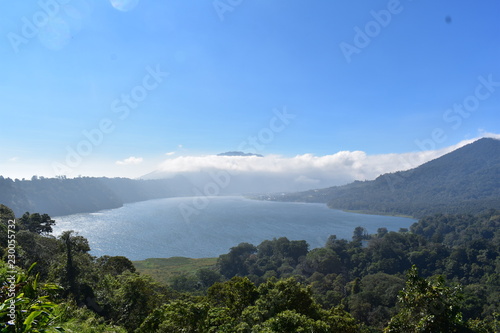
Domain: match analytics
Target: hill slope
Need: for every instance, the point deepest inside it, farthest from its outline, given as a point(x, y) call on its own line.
point(87, 194)
point(465, 180)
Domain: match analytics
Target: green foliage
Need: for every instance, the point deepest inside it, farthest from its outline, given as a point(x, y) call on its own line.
point(373, 303)
point(6, 214)
point(277, 296)
point(73, 319)
point(481, 326)
point(75, 268)
point(235, 295)
point(366, 279)
point(115, 265)
point(127, 299)
point(238, 306)
point(321, 260)
point(34, 248)
point(40, 224)
point(341, 321)
point(26, 304)
point(291, 321)
point(427, 306)
point(279, 285)
point(185, 283)
point(207, 277)
point(178, 316)
point(236, 261)
point(277, 257)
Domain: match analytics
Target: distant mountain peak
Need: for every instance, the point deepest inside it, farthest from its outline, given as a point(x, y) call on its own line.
point(238, 153)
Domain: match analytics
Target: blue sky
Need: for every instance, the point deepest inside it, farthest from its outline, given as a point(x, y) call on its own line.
point(276, 71)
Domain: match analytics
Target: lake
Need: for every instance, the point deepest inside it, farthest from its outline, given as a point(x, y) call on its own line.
point(159, 229)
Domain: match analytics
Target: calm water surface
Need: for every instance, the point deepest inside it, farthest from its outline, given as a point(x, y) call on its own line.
point(157, 229)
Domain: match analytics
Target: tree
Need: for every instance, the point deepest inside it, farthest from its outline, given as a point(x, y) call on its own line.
point(427, 306)
point(6, 215)
point(115, 265)
point(76, 250)
point(374, 301)
point(291, 321)
point(235, 294)
point(185, 283)
point(340, 321)
point(40, 224)
point(207, 277)
point(359, 234)
point(288, 306)
point(235, 262)
point(277, 296)
point(178, 316)
point(129, 298)
point(35, 248)
point(381, 232)
point(322, 260)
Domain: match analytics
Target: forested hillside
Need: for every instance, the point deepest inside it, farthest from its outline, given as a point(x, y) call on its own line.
point(457, 254)
point(61, 196)
point(442, 275)
point(465, 180)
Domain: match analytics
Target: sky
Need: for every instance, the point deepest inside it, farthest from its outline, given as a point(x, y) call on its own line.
point(124, 88)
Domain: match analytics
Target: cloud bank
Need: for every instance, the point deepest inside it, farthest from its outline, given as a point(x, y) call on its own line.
point(277, 173)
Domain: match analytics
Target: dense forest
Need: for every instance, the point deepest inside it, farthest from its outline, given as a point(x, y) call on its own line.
point(64, 196)
point(466, 180)
point(441, 275)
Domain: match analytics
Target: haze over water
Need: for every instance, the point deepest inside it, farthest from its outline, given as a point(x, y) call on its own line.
point(157, 229)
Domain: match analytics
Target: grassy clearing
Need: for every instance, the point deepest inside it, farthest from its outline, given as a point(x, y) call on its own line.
point(164, 269)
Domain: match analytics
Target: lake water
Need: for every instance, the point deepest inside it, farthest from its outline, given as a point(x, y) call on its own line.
point(158, 229)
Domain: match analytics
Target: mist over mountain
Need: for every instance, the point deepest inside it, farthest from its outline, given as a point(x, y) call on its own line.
point(238, 153)
point(61, 196)
point(248, 173)
point(465, 180)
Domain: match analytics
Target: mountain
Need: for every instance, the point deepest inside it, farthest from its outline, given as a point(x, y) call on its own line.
point(61, 196)
point(238, 153)
point(466, 180)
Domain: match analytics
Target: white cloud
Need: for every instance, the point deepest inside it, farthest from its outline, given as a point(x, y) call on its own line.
point(14, 159)
point(343, 166)
point(302, 171)
point(170, 153)
point(130, 161)
point(356, 164)
point(489, 134)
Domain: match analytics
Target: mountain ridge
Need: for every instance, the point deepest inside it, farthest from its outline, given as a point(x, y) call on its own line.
point(61, 196)
point(464, 180)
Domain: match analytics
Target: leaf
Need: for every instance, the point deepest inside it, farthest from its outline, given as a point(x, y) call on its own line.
point(29, 320)
point(31, 267)
point(51, 286)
